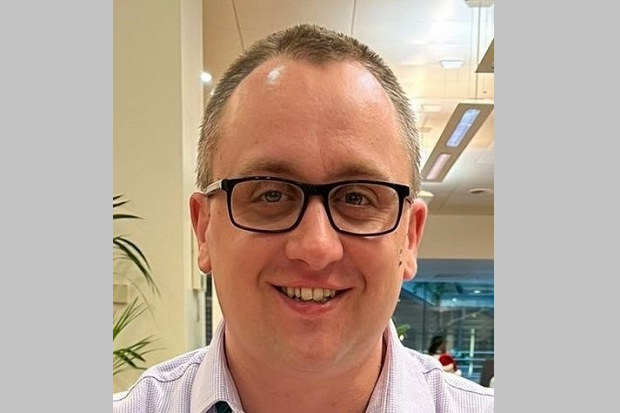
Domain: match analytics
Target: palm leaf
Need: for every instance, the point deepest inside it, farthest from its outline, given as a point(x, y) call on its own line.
point(125, 216)
point(119, 203)
point(131, 356)
point(126, 316)
point(129, 250)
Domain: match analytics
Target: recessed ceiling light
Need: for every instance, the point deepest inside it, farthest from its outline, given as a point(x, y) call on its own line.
point(206, 77)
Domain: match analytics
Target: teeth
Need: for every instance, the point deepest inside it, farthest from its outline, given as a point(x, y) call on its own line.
point(309, 294)
point(306, 294)
point(317, 295)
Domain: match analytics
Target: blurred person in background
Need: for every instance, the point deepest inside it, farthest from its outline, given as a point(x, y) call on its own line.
point(439, 349)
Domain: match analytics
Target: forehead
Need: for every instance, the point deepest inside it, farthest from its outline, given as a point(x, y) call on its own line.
point(310, 122)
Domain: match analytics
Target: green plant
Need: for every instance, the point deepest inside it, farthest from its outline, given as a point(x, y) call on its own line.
point(125, 251)
point(401, 329)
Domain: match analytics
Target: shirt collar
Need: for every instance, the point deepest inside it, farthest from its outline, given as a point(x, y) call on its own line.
point(214, 383)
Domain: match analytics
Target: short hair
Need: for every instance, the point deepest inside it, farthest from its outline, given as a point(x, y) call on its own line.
point(436, 341)
point(315, 44)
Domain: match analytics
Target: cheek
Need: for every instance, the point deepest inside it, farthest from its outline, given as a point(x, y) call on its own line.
point(382, 262)
point(219, 226)
point(219, 251)
point(236, 255)
point(393, 265)
point(383, 279)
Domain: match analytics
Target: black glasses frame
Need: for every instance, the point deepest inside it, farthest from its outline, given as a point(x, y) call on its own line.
point(308, 190)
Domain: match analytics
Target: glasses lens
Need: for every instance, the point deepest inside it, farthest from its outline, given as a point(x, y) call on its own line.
point(266, 204)
point(364, 208)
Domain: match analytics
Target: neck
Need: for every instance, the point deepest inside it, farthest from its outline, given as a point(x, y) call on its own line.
point(271, 388)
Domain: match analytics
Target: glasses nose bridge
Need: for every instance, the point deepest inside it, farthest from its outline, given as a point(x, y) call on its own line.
point(322, 191)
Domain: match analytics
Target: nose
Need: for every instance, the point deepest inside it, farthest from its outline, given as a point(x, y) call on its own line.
point(314, 241)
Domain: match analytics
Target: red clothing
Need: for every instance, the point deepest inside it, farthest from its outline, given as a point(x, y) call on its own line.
point(448, 362)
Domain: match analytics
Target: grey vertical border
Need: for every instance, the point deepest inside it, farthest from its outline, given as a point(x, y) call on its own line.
point(56, 129)
point(552, 281)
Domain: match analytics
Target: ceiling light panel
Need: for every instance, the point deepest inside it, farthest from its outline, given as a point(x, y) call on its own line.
point(462, 126)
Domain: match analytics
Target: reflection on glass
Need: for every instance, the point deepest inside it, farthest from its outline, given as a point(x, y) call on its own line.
point(462, 311)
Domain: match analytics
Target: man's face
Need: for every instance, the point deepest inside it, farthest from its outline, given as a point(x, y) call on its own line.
point(314, 124)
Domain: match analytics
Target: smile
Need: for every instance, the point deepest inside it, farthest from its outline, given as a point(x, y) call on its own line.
point(319, 295)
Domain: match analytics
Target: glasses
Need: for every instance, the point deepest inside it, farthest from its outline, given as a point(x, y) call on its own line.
point(266, 204)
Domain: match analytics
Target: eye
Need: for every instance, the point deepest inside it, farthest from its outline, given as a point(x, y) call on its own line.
point(272, 196)
point(354, 195)
point(355, 198)
point(269, 192)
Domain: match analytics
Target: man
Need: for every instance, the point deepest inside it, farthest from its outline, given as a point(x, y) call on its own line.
point(308, 169)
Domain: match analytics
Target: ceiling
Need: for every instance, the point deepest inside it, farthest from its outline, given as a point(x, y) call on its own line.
point(412, 36)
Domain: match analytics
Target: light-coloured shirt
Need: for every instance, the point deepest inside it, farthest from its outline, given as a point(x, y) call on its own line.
point(409, 382)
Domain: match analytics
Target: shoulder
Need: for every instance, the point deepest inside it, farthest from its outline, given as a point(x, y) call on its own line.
point(471, 396)
point(170, 379)
point(447, 392)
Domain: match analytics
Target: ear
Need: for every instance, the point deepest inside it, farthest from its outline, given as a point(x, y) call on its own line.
point(417, 218)
point(200, 213)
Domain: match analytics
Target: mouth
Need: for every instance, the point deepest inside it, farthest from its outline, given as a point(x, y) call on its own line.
point(307, 294)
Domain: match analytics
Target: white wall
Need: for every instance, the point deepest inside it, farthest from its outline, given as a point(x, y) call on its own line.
point(458, 237)
point(157, 112)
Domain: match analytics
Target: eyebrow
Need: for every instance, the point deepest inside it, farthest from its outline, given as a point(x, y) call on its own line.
point(291, 170)
point(268, 166)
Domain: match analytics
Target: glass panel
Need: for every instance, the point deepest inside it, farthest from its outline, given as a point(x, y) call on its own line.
point(462, 311)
